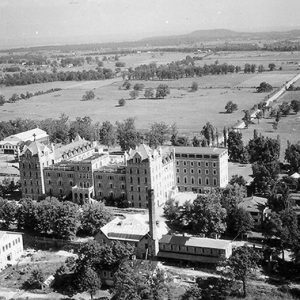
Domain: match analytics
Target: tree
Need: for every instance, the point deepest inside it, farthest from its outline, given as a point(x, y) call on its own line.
point(67, 222)
point(107, 134)
point(241, 264)
point(263, 149)
point(94, 216)
point(295, 105)
point(211, 288)
point(208, 131)
point(265, 175)
point(230, 107)
point(8, 213)
point(239, 222)
point(36, 279)
point(259, 115)
point(138, 86)
point(261, 68)
point(194, 87)
point(134, 94)
point(26, 216)
point(149, 93)
point(235, 146)
point(89, 95)
point(127, 135)
point(122, 102)
point(264, 87)
point(162, 91)
point(272, 66)
point(204, 216)
point(126, 85)
point(158, 134)
point(82, 127)
point(236, 179)
point(89, 281)
point(284, 108)
point(292, 156)
point(247, 118)
point(139, 281)
point(2, 100)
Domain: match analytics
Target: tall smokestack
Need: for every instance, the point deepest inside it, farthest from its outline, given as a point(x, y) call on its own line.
point(153, 243)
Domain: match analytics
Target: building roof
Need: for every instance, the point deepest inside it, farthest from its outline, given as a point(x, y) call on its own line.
point(143, 150)
point(36, 148)
point(194, 241)
point(295, 175)
point(112, 168)
point(254, 204)
point(3, 233)
point(131, 228)
point(75, 144)
point(199, 150)
point(29, 135)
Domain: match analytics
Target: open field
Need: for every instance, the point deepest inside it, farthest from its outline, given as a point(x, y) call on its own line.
point(190, 111)
point(287, 60)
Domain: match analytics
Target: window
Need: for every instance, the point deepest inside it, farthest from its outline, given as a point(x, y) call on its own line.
point(199, 181)
point(130, 171)
point(184, 170)
point(177, 163)
point(215, 172)
point(177, 170)
point(192, 163)
point(206, 171)
point(178, 180)
point(193, 180)
point(214, 164)
point(131, 180)
point(131, 188)
point(206, 164)
point(185, 180)
point(215, 181)
point(192, 171)
point(199, 171)
point(207, 181)
point(184, 163)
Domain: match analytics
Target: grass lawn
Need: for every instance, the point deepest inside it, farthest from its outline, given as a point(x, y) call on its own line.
point(189, 110)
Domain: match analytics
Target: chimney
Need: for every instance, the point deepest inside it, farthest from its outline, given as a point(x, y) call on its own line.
point(153, 241)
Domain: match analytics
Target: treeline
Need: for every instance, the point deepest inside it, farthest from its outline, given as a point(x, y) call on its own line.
point(28, 59)
point(180, 69)
point(16, 97)
point(52, 218)
point(72, 60)
point(40, 77)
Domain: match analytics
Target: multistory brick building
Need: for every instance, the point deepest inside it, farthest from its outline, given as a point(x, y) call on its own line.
point(150, 169)
point(199, 169)
point(110, 182)
point(37, 156)
point(81, 171)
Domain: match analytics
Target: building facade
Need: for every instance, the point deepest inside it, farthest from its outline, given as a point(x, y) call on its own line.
point(198, 169)
point(82, 171)
point(11, 248)
point(36, 157)
point(150, 169)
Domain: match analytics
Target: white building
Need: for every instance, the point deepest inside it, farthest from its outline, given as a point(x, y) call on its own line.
point(11, 144)
point(11, 248)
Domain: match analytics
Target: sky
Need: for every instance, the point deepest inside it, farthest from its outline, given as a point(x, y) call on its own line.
point(48, 22)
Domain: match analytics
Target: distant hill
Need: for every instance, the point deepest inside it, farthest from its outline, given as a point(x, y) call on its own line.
point(198, 36)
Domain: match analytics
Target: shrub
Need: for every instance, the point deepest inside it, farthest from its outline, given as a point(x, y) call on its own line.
point(122, 102)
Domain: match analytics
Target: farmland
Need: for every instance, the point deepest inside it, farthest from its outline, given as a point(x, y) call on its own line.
point(190, 111)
